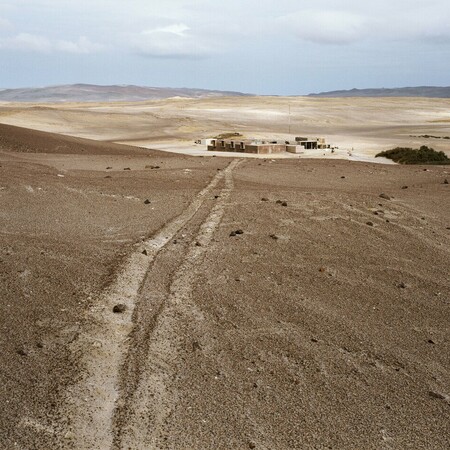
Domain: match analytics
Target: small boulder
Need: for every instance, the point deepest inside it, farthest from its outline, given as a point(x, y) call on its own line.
point(119, 308)
point(404, 187)
point(369, 223)
point(127, 168)
point(147, 202)
point(284, 204)
point(446, 181)
point(385, 196)
point(264, 199)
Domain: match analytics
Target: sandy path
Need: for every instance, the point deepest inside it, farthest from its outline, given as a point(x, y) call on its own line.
point(93, 400)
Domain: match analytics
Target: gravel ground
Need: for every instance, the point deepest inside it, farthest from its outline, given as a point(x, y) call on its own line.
point(282, 304)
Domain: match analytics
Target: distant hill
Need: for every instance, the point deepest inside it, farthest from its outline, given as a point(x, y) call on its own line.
point(94, 93)
point(420, 91)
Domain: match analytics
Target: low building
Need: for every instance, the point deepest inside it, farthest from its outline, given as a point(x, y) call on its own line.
point(265, 147)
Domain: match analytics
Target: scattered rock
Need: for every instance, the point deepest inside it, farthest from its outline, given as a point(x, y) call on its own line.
point(175, 241)
point(251, 445)
point(279, 202)
point(126, 168)
point(402, 285)
point(322, 269)
point(233, 233)
point(404, 187)
point(274, 236)
point(369, 223)
point(144, 252)
point(22, 352)
point(198, 244)
point(39, 345)
point(155, 167)
point(342, 177)
point(446, 181)
point(147, 202)
point(264, 199)
point(119, 308)
point(196, 346)
point(430, 341)
point(108, 176)
point(216, 196)
point(436, 395)
point(284, 204)
point(239, 232)
point(385, 196)
point(108, 168)
point(314, 340)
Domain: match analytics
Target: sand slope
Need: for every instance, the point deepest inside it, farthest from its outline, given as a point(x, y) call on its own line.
point(323, 325)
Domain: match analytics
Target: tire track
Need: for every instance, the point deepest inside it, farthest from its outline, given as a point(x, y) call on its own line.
point(90, 403)
point(143, 410)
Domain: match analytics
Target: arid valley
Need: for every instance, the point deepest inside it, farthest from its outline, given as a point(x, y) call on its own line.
point(158, 296)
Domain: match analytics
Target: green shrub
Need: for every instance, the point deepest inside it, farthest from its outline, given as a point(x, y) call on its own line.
point(423, 155)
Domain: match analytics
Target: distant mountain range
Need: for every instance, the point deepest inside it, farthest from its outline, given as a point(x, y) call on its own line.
point(419, 91)
point(94, 93)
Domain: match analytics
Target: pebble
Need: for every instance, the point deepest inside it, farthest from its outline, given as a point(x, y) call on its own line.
point(233, 233)
point(369, 223)
point(402, 285)
point(22, 352)
point(198, 244)
point(264, 199)
point(126, 168)
point(284, 204)
point(144, 252)
point(342, 177)
point(436, 395)
point(239, 232)
point(274, 236)
point(251, 445)
point(108, 168)
point(119, 308)
point(404, 187)
point(147, 202)
point(430, 341)
point(385, 196)
point(446, 181)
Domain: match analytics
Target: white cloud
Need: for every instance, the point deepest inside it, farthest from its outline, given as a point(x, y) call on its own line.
point(83, 45)
point(40, 44)
point(171, 41)
point(26, 42)
point(325, 27)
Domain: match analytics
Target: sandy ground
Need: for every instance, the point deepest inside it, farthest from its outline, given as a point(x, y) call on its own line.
point(360, 126)
point(324, 324)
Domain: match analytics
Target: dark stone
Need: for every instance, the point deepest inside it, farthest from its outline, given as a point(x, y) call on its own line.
point(147, 202)
point(436, 395)
point(108, 168)
point(369, 223)
point(108, 176)
point(198, 244)
point(196, 346)
point(430, 341)
point(274, 236)
point(144, 252)
point(22, 352)
point(233, 233)
point(278, 202)
point(314, 340)
point(342, 177)
point(264, 199)
point(154, 167)
point(402, 285)
point(251, 445)
point(126, 168)
point(446, 181)
point(216, 196)
point(284, 204)
point(239, 232)
point(39, 345)
point(385, 196)
point(404, 187)
point(120, 308)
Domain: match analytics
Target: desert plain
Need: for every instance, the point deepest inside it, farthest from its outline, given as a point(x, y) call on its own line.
point(158, 296)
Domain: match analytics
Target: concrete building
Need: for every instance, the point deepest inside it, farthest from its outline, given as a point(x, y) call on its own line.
point(265, 147)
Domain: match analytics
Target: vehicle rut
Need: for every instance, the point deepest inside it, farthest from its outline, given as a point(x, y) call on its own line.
point(91, 404)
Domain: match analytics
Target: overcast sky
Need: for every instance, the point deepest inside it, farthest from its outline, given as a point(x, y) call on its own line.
point(258, 46)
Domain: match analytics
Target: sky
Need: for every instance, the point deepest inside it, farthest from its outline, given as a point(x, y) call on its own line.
point(279, 47)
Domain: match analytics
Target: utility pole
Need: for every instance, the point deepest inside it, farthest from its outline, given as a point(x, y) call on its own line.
point(289, 106)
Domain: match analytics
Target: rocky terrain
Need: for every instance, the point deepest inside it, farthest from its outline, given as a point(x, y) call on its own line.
point(155, 300)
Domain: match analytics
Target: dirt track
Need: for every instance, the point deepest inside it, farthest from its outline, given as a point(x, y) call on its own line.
point(324, 324)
